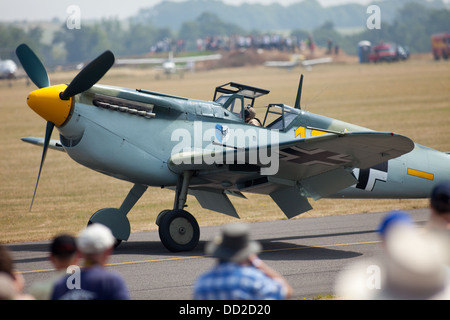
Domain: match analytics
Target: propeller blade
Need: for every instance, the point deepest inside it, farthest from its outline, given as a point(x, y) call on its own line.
point(90, 75)
point(33, 66)
point(48, 134)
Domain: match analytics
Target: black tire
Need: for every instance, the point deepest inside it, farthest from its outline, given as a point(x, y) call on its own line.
point(179, 231)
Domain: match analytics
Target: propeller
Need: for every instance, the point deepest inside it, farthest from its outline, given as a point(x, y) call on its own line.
point(83, 81)
point(48, 134)
point(89, 75)
point(33, 66)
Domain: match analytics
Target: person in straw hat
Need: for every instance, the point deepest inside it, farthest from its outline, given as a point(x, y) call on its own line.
point(239, 273)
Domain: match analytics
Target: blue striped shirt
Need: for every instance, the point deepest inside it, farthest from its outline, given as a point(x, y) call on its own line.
point(230, 281)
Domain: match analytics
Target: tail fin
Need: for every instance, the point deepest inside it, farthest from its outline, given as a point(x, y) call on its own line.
point(299, 93)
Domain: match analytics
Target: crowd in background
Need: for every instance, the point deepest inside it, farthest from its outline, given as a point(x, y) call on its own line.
point(272, 41)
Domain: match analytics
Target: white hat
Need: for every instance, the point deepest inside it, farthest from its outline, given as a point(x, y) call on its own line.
point(416, 263)
point(413, 267)
point(96, 238)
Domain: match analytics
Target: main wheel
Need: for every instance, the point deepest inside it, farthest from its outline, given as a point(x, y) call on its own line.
point(179, 231)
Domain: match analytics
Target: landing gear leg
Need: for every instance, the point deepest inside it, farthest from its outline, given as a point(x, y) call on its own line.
point(116, 219)
point(178, 229)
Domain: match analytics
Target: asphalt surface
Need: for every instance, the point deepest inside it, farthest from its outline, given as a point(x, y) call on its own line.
point(308, 252)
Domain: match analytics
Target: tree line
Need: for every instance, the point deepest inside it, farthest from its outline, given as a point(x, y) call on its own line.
point(412, 27)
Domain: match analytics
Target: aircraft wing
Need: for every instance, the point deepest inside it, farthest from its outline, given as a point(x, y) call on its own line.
point(54, 144)
point(198, 58)
point(296, 60)
point(281, 64)
point(310, 156)
point(311, 62)
point(140, 61)
point(313, 167)
point(162, 60)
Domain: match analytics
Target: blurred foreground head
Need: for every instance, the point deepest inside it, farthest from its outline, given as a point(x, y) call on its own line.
point(412, 268)
point(440, 206)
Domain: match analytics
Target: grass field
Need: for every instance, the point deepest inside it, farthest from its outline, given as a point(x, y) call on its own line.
point(411, 98)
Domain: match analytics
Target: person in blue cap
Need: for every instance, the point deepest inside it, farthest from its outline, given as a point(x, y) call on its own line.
point(394, 218)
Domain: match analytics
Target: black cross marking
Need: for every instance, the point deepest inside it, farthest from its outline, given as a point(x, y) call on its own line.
point(310, 157)
point(368, 177)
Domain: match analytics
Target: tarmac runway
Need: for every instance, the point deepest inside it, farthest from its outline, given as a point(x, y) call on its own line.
point(308, 252)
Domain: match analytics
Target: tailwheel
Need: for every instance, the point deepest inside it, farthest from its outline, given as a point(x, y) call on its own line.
point(178, 230)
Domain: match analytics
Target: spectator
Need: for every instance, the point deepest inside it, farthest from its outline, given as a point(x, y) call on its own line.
point(7, 289)
point(440, 207)
point(392, 219)
point(12, 282)
point(412, 267)
point(439, 222)
point(95, 282)
point(239, 273)
point(63, 253)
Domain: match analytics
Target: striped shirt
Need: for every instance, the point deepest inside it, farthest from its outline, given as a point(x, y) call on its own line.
point(230, 281)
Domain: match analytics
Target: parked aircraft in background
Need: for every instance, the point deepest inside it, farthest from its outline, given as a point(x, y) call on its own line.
point(170, 65)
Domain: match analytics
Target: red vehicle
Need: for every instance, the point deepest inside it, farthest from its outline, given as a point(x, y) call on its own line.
point(384, 52)
point(440, 45)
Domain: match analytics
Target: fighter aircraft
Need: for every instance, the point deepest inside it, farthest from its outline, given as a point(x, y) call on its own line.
point(8, 69)
point(170, 65)
point(205, 148)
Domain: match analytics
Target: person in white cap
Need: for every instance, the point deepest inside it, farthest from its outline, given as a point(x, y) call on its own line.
point(239, 274)
point(94, 281)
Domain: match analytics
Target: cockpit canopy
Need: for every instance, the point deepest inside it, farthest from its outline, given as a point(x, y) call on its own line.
point(248, 92)
point(235, 97)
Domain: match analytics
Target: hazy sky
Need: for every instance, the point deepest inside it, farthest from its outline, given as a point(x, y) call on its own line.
point(11, 10)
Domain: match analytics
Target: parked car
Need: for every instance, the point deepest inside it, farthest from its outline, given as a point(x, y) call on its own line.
point(388, 52)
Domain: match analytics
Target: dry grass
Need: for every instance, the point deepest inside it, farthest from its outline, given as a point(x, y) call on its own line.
point(411, 98)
